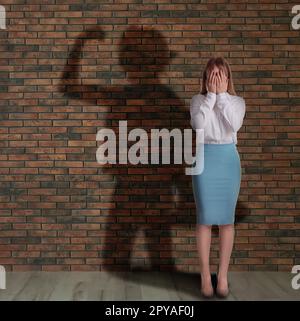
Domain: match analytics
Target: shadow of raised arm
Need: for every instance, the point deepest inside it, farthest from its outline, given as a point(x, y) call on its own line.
point(71, 85)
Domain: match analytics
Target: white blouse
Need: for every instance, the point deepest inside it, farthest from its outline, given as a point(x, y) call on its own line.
point(220, 115)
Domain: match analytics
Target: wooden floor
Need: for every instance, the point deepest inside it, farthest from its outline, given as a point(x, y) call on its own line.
point(141, 286)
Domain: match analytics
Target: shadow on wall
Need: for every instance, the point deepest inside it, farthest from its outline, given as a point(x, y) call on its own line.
point(146, 200)
point(139, 204)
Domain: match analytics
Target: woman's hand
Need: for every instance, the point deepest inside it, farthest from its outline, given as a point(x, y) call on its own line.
point(211, 83)
point(222, 82)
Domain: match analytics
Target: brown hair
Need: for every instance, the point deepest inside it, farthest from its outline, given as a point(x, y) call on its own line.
point(221, 63)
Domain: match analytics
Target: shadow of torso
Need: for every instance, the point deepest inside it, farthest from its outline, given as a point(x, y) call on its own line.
point(148, 198)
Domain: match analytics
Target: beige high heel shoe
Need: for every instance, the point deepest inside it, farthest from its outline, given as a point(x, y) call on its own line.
point(222, 293)
point(207, 294)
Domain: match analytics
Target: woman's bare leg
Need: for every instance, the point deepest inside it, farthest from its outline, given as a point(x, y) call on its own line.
point(203, 247)
point(226, 235)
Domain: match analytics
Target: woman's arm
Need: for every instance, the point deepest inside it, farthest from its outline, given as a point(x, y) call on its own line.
point(233, 108)
point(200, 109)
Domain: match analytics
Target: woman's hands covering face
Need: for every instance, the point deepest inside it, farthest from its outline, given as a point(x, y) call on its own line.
point(222, 82)
point(211, 82)
point(217, 82)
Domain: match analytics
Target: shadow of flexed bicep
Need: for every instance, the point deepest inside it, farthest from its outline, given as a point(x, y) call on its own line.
point(71, 85)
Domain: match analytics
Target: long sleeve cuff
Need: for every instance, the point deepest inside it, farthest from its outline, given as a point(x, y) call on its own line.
point(221, 97)
point(201, 108)
point(210, 99)
point(232, 108)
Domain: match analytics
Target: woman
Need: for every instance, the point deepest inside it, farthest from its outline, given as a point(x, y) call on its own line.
point(220, 112)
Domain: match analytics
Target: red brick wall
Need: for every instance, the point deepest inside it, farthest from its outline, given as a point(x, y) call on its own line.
point(69, 68)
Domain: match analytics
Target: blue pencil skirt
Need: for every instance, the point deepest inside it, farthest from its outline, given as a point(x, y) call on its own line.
point(216, 189)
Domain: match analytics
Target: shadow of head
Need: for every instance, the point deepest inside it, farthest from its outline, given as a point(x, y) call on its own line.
point(143, 49)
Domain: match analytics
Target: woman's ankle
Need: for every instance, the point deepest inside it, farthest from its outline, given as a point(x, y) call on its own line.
point(206, 277)
point(222, 276)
